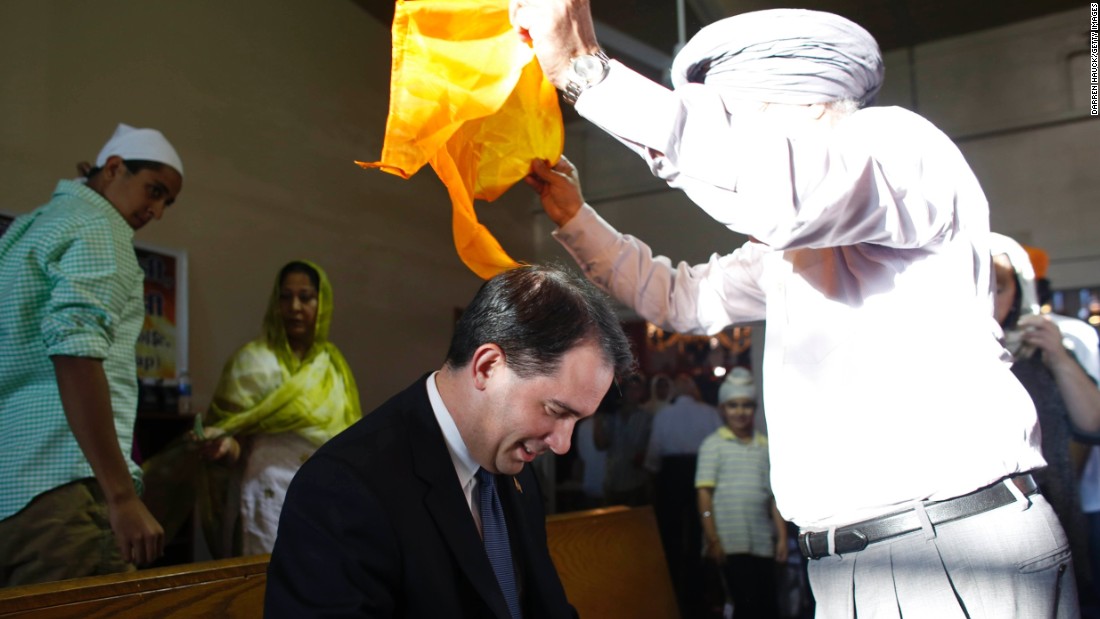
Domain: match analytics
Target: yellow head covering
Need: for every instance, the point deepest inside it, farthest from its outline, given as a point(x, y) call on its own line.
point(265, 387)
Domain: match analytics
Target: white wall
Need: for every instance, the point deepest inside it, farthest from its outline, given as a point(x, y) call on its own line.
point(268, 103)
point(1015, 99)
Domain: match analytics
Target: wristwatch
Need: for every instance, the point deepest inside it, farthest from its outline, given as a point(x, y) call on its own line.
point(585, 72)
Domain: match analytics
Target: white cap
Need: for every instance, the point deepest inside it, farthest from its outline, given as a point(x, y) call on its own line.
point(145, 144)
point(738, 385)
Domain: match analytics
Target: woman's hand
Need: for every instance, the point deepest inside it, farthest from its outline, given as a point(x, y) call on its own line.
point(216, 445)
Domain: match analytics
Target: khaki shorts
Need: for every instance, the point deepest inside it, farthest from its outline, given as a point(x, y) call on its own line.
point(62, 533)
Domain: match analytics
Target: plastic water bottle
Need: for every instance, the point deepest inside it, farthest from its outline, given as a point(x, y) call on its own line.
point(184, 400)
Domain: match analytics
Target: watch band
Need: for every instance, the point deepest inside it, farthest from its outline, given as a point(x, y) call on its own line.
point(577, 84)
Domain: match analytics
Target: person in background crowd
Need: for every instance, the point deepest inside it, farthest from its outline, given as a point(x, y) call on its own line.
point(72, 309)
point(280, 397)
point(1080, 338)
point(743, 531)
point(678, 431)
point(624, 435)
point(1066, 399)
point(591, 463)
point(660, 393)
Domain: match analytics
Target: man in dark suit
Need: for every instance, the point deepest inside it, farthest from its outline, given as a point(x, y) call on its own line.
point(387, 520)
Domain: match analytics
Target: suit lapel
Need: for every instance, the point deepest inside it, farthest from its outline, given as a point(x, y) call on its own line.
point(447, 505)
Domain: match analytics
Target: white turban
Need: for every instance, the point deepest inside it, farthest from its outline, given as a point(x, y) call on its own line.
point(738, 385)
point(1021, 263)
point(144, 144)
point(791, 56)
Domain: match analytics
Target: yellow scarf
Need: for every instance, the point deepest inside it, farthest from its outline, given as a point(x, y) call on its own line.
point(468, 97)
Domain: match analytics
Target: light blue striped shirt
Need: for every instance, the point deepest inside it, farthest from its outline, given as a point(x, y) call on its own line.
point(739, 471)
point(71, 286)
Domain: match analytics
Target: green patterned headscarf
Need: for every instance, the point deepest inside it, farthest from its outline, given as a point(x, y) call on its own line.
point(266, 388)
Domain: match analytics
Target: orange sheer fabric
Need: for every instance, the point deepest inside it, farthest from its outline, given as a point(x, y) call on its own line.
point(468, 97)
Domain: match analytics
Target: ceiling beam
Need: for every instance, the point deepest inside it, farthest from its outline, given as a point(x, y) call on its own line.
point(617, 40)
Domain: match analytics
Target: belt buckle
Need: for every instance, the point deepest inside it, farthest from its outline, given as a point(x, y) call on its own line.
point(805, 546)
point(847, 539)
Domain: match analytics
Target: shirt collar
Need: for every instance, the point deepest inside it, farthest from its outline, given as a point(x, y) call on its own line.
point(94, 198)
point(464, 464)
point(727, 434)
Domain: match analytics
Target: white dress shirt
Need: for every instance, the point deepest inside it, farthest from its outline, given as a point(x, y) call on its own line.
point(884, 379)
point(465, 466)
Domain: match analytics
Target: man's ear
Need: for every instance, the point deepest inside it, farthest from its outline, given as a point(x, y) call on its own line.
point(816, 110)
point(112, 167)
point(487, 361)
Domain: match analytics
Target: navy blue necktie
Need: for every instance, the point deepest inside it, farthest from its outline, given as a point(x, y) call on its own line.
point(494, 532)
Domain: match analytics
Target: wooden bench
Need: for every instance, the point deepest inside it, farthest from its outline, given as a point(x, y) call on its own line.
point(229, 588)
point(612, 564)
point(610, 561)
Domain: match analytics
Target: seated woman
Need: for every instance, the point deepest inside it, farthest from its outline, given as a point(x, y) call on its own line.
point(280, 397)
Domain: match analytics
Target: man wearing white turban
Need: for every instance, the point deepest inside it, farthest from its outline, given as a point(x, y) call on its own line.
point(868, 232)
point(72, 309)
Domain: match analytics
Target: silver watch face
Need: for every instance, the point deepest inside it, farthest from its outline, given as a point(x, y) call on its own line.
point(589, 68)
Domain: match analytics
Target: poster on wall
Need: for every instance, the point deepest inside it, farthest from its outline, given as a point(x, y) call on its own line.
point(162, 346)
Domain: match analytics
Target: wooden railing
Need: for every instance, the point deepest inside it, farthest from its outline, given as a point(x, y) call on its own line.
point(610, 561)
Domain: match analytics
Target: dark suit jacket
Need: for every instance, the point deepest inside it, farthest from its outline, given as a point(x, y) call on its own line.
point(375, 524)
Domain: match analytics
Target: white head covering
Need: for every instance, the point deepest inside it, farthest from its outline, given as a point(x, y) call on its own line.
point(791, 56)
point(1025, 279)
point(145, 144)
point(738, 384)
point(1021, 263)
point(655, 401)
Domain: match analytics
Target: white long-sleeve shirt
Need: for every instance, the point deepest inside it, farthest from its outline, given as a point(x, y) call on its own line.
point(884, 380)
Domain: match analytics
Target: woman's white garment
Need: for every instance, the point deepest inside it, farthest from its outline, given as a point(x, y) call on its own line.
point(273, 459)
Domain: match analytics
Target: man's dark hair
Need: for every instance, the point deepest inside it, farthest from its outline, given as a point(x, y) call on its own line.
point(535, 314)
